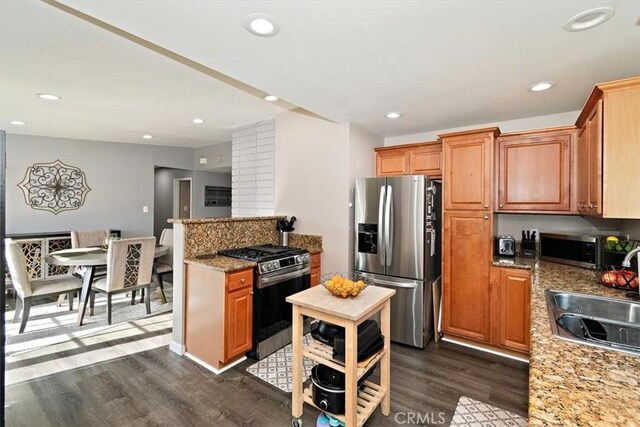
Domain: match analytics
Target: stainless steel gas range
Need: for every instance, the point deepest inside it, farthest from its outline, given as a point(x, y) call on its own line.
point(281, 271)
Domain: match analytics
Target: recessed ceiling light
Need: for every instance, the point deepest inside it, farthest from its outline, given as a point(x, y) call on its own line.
point(540, 86)
point(589, 19)
point(48, 96)
point(198, 121)
point(270, 98)
point(17, 122)
point(261, 25)
point(147, 136)
point(393, 115)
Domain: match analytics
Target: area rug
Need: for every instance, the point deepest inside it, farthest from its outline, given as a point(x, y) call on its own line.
point(53, 343)
point(277, 368)
point(472, 413)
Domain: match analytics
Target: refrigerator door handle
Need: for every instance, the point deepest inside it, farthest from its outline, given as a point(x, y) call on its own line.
point(381, 239)
point(395, 284)
point(388, 232)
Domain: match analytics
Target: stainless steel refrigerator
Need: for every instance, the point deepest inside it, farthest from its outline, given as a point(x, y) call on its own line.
point(397, 245)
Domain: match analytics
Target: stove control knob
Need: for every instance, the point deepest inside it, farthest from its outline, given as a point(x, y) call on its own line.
point(273, 265)
point(299, 259)
point(307, 257)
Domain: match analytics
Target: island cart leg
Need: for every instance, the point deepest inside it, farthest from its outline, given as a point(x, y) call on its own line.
point(297, 399)
point(385, 363)
point(351, 372)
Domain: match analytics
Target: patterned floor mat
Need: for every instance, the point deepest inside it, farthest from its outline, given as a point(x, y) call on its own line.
point(472, 413)
point(277, 368)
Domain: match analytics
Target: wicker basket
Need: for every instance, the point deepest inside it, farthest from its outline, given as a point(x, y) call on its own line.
point(344, 285)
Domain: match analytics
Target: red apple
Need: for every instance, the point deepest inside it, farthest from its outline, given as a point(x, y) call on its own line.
point(631, 277)
point(621, 280)
point(609, 278)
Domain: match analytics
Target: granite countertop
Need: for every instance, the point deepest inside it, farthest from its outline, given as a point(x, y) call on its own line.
point(515, 262)
point(224, 219)
point(574, 384)
point(221, 263)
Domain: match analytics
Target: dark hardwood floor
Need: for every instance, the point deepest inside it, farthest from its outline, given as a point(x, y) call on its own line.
point(158, 387)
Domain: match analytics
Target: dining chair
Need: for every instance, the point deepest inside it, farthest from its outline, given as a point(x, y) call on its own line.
point(27, 290)
point(129, 265)
point(164, 264)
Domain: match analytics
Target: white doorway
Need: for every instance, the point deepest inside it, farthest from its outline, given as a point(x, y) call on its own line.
point(182, 198)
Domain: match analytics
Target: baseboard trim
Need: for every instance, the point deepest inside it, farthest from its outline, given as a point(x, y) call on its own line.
point(486, 349)
point(211, 368)
point(176, 348)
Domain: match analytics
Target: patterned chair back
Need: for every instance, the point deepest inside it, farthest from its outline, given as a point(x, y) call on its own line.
point(17, 263)
point(86, 238)
point(166, 239)
point(129, 262)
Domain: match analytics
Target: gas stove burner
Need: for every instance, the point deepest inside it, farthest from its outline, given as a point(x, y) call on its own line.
point(262, 253)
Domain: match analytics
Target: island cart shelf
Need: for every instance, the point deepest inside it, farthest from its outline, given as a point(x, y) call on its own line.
point(318, 303)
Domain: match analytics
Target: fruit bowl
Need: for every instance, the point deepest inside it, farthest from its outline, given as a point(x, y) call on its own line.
point(344, 286)
point(617, 277)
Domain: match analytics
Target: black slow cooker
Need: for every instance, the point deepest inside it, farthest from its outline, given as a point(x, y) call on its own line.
point(328, 388)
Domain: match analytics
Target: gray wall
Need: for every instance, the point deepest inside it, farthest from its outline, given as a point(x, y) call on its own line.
point(218, 157)
point(163, 198)
point(121, 177)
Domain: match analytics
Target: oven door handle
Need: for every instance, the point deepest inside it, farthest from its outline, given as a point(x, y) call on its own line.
point(265, 282)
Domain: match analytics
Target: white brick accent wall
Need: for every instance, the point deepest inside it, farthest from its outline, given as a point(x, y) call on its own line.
point(253, 169)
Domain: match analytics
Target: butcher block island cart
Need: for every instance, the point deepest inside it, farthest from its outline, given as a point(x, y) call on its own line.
point(348, 313)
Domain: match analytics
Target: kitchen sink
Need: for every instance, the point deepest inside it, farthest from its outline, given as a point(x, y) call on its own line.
point(596, 321)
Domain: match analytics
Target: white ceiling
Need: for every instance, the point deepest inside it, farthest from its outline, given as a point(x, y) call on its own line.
point(442, 63)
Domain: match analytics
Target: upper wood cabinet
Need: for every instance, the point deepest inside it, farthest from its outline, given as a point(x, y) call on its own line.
point(468, 169)
point(392, 162)
point(608, 153)
point(426, 159)
point(466, 260)
point(413, 159)
point(534, 171)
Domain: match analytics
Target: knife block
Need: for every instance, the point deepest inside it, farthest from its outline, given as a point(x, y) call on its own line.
point(528, 248)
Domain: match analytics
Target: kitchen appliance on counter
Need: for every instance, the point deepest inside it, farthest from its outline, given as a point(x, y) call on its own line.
point(505, 246)
point(572, 249)
point(397, 245)
point(281, 271)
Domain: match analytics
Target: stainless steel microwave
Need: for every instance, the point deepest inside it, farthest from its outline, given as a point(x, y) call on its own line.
point(572, 249)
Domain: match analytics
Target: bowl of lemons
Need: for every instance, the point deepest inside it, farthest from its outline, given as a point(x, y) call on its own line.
point(345, 287)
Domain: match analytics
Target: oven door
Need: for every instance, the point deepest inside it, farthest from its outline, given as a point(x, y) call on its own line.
point(272, 314)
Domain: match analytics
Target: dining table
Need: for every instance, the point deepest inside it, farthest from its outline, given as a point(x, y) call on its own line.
point(90, 258)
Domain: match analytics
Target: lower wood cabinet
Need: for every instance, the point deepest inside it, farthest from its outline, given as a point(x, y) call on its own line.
point(316, 270)
point(218, 314)
point(465, 283)
point(511, 308)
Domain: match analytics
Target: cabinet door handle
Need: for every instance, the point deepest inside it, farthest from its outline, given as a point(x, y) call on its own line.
point(486, 206)
point(486, 217)
point(242, 280)
point(502, 206)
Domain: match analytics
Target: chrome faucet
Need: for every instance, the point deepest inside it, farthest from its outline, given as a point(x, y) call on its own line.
point(627, 260)
point(626, 263)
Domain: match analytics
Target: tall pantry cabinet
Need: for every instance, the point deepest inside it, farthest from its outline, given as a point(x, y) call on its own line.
point(468, 171)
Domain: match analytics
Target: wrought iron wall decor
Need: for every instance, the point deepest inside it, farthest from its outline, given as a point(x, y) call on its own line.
point(54, 187)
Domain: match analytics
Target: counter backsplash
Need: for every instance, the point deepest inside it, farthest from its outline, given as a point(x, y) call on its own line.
point(205, 236)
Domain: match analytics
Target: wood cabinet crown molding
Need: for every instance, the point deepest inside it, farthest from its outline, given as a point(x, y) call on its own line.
point(405, 146)
point(535, 132)
point(599, 90)
point(493, 131)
